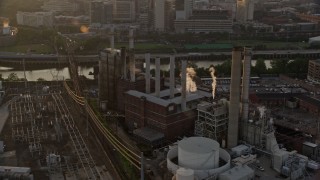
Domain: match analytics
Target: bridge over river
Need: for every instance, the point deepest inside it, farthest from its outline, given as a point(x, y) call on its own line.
point(16, 58)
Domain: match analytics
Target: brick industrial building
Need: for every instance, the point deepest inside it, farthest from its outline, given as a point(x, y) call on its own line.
point(168, 113)
point(309, 104)
point(147, 105)
point(314, 71)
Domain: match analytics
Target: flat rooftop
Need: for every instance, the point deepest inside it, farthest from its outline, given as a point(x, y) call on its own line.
point(148, 134)
point(166, 102)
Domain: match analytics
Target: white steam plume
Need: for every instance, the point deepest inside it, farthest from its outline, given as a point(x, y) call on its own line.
point(191, 85)
point(262, 111)
point(5, 23)
point(214, 81)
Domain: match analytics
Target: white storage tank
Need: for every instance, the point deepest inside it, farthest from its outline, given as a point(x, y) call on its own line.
point(198, 153)
point(184, 174)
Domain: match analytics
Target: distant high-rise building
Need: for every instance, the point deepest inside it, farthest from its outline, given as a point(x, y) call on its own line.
point(183, 9)
point(245, 9)
point(164, 15)
point(35, 19)
point(159, 15)
point(169, 15)
point(205, 21)
point(124, 10)
point(144, 21)
point(314, 71)
point(64, 6)
point(101, 12)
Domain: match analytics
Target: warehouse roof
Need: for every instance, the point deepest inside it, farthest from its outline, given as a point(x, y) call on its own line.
point(166, 102)
point(148, 134)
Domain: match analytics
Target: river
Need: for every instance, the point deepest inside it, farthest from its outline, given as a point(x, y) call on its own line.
point(63, 73)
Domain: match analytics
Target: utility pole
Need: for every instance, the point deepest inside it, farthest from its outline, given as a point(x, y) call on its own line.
point(24, 73)
point(142, 164)
point(86, 104)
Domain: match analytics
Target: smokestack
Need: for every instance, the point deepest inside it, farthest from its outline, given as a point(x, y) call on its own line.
point(234, 98)
point(112, 37)
point(245, 89)
point(246, 83)
point(131, 40)
point(124, 60)
point(131, 56)
point(183, 84)
point(157, 77)
point(147, 77)
point(172, 76)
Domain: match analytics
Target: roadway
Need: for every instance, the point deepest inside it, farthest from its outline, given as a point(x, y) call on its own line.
point(10, 56)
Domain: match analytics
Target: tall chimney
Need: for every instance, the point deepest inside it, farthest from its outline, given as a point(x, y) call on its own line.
point(245, 89)
point(157, 77)
point(112, 37)
point(131, 56)
point(172, 76)
point(183, 85)
point(131, 40)
point(233, 124)
point(147, 77)
point(124, 60)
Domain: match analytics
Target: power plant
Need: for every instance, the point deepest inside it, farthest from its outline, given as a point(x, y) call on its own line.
point(176, 95)
point(192, 128)
point(159, 108)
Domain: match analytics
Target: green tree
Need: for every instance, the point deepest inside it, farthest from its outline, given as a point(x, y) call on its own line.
point(41, 79)
point(279, 66)
point(260, 67)
point(91, 44)
point(192, 64)
point(224, 69)
point(298, 66)
point(13, 77)
point(202, 72)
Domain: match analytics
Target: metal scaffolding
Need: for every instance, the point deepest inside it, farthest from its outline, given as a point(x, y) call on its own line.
point(212, 120)
point(24, 127)
point(256, 129)
point(31, 127)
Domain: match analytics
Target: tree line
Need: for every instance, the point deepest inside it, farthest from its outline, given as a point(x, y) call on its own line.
point(297, 68)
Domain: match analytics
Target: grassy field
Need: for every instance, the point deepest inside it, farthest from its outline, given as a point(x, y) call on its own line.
point(37, 48)
point(145, 46)
point(268, 44)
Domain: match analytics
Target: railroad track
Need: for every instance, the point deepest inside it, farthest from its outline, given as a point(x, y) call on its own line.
point(79, 144)
point(107, 138)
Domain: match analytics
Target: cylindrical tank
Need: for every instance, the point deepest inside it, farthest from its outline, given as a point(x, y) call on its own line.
point(184, 174)
point(198, 153)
